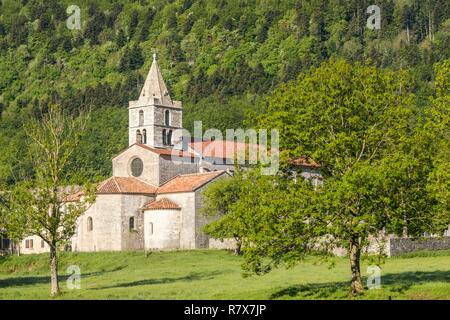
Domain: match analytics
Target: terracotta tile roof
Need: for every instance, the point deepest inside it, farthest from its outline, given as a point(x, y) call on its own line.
point(75, 197)
point(162, 203)
point(188, 182)
point(71, 193)
point(304, 162)
point(224, 149)
point(168, 152)
point(115, 185)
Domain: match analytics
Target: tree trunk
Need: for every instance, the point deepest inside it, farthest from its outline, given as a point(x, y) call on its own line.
point(355, 261)
point(237, 248)
point(54, 271)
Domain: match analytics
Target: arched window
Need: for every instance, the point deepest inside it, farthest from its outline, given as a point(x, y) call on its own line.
point(131, 224)
point(164, 137)
point(138, 137)
point(144, 136)
point(169, 138)
point(141, 118)
point(90, 224)
point(167, 118)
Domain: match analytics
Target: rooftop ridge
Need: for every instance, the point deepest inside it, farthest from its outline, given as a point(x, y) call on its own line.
point(146, 182)
point(117, 184)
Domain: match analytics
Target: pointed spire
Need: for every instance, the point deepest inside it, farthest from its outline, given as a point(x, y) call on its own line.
point(155, 87)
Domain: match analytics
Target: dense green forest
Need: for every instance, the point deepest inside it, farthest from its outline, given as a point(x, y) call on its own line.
point(221, 58)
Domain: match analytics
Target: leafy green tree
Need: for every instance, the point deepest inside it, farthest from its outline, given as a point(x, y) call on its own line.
point(271, 214)
point(90, 165)
point(190, 20)
point(43, 205)
point(14, 223)
point(351, 119)
point(121, 38)
point(95, 24)
point(172, 21)
point(134, 21)
point(147, 24)
point(438, 130)
point(132, 59)
point(232, 113)
point(186, 5)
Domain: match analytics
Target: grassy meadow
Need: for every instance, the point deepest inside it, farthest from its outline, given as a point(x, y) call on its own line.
point(208, 274)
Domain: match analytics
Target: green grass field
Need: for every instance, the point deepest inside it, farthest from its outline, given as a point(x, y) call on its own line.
point(217, 275)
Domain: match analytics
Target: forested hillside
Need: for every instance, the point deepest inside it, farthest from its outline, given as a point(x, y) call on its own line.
point(221, 58)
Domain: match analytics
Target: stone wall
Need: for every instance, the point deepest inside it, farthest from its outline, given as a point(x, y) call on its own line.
point(106, 226)
point(394, 246)
point(110, 217)
point(186, 200)
point(176, 124)
point(131, 208)
point(403, 245)
point(133, 122)
point(162, 229)
point(228, 244)
point(158, 169)
point(122, 162)
point(201, 239)
point(169, 168)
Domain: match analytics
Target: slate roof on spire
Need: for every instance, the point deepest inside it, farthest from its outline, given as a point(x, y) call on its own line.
point(155, 87)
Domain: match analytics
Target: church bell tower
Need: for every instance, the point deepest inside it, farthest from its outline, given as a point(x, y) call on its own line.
point(154, 119)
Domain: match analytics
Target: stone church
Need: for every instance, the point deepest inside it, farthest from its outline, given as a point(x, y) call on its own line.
point(154, 197)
